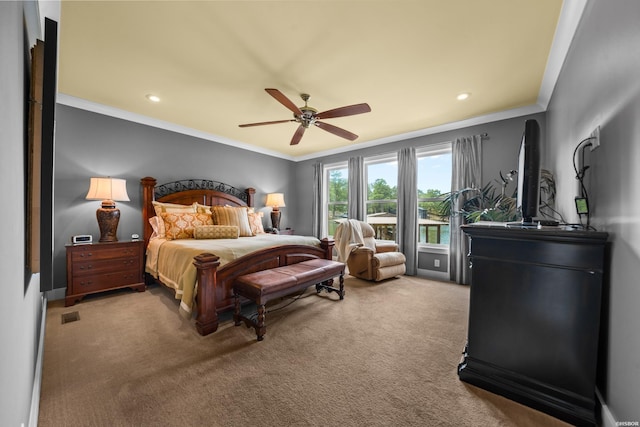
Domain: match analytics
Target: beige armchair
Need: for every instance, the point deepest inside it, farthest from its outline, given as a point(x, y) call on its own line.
point(366, 257)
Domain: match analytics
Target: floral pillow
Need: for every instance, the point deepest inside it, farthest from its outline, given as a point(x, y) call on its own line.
point(255, 222)
point(182, 225)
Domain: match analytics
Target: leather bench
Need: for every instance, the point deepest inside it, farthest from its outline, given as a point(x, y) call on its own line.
point(264, 286)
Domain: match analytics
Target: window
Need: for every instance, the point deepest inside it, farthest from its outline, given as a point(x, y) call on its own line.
point(382, 195)
point(336, 185)
point(434, 181)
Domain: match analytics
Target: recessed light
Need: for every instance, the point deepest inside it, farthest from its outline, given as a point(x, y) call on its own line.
point(463, 96)
point(153, 98)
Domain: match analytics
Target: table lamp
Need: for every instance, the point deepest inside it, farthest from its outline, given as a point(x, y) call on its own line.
point(275, 201)
point(110, 191)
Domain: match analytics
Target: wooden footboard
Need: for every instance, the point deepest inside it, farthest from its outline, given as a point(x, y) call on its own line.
point(215, 285)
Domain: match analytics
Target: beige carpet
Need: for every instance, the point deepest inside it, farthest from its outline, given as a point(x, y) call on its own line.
point(384, 356)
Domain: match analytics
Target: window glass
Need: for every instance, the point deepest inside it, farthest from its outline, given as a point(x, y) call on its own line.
point(382, 195)
point(337, 196)
point(434, 181)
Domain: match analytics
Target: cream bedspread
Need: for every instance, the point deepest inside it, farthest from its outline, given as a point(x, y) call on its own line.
point(171, 261)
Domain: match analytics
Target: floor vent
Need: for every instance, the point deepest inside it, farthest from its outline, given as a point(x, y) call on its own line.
point(70, 317)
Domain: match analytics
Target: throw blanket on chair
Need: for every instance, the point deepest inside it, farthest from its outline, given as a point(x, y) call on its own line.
point(348, 237)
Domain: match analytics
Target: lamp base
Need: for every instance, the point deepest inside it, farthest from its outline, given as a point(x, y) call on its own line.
point(108, 219)
point(275, 219)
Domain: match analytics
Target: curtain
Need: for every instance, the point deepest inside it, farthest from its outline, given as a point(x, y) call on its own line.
point(407, 231)
point(316, 203)
point(357, 188)
point(466, 173)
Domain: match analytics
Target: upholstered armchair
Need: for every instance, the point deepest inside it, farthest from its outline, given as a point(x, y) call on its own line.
point(366, 257)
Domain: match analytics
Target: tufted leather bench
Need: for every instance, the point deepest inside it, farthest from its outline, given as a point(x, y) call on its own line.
point(264, 286)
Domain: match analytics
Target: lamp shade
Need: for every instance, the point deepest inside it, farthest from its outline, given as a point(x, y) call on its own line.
point(108, 189)
point(275, 200)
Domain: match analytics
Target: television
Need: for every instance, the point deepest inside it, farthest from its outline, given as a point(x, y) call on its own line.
point(528, 192)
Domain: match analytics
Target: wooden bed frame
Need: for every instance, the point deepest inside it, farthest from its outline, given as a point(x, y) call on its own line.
point(215, 283)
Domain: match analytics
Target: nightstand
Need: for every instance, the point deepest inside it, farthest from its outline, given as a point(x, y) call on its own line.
point(98, 267)
point(288, 231)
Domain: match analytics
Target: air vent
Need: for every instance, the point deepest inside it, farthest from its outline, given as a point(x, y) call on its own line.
point(70, 317)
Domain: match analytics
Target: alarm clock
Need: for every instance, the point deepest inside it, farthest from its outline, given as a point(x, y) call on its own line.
point(82, 239)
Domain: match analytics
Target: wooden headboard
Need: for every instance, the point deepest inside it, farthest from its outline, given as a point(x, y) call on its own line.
point(187, 191)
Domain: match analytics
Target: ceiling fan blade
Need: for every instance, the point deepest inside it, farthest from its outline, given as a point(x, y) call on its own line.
point(349, 110)
point(279, 96)
point(266, 123)
point(337, 131)
point(298, 135)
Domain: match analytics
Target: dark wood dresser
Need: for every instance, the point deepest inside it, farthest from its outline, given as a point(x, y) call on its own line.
point(98, 267)
point(534, 317)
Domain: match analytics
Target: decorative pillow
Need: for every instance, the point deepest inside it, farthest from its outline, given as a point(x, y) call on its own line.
point(182, 225)
point(161, 207)
point(226, 215)
point(255, 222)
point(203, 208)
point(216, 232)
point(157, 224)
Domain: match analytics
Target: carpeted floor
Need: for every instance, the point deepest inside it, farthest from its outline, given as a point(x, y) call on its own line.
point(384, 356)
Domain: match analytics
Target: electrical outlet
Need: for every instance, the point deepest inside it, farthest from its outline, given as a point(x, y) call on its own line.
point(595, 142)
point(436, 263)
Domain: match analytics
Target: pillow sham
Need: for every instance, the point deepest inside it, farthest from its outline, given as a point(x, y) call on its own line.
point(216, 232)
point(161, 207)
point(182, 225)
point(157, 225)
point(203, 208)
point(227, 215)
point(255, 222)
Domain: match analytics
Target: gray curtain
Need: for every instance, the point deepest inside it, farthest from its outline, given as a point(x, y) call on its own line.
point(316, 204)
point(357, 188)
point(466, 173)
point(407, 231)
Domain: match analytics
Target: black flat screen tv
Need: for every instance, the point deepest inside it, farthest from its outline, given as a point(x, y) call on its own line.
point(529, 172)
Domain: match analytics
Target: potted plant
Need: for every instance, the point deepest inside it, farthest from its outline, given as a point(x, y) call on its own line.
point(490, 204)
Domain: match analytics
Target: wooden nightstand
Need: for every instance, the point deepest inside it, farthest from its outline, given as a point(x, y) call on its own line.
point(99, 267)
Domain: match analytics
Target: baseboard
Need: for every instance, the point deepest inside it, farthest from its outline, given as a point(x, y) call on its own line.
point(37, 375)
point(607, 417)
point(434, 275)
point(56, 294)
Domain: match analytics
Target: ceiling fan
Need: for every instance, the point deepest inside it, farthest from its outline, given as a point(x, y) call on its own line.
point(308, 116)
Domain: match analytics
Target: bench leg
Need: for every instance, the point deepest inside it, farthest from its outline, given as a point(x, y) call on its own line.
point(236, 312)
point(327, 286)
point(260, 328)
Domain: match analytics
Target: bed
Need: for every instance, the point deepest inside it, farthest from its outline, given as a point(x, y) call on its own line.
point(201, 272)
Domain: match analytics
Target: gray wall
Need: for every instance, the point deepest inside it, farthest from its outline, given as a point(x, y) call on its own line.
point(499, 152)
point(90, 144)
point(20, 308)
point(600, 85)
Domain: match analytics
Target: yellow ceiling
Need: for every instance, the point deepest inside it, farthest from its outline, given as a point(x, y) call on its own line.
point(210, 61)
